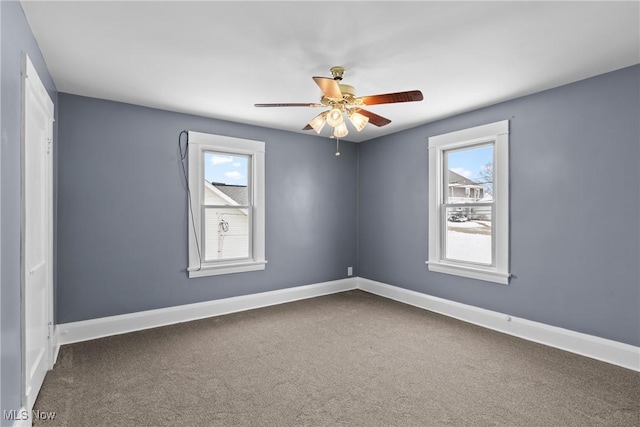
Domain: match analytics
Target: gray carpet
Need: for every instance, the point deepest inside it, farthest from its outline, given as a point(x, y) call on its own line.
point(349, 359)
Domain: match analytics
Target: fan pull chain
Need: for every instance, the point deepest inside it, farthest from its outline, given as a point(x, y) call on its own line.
point(337, 147)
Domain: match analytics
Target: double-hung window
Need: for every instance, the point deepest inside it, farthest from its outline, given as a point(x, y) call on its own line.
point(469, 203)
point(226, 205)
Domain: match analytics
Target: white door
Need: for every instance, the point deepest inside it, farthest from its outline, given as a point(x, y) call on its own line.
point(37, 247)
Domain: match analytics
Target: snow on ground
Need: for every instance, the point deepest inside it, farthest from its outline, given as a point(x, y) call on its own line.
point(468, 224)
point(467, 245)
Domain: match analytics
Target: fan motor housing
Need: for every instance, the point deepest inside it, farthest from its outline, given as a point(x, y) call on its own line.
point(348, 96)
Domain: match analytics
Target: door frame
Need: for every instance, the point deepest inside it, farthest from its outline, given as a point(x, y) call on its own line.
point(29, 74)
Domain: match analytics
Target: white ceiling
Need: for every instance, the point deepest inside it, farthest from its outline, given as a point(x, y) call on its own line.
point(216, 59)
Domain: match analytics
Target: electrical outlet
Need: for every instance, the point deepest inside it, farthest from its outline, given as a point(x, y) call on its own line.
point(349, 271)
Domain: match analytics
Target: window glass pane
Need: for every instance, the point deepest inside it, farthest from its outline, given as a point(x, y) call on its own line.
point(469, 175)
point(229, 175)
point(468, 234)
point(226, 233)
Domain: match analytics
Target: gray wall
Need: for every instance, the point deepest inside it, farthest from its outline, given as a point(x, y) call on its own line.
point(16, 38)
point(121, 237)
point(122, 209)
point(575, 228)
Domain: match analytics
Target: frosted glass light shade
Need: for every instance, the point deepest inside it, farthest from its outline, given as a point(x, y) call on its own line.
point(318, 122)
point(358, 120)
point(334, 118)
point(341, 130)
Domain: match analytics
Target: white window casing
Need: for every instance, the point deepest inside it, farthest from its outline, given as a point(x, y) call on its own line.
point(496, 134)
point(198, 144)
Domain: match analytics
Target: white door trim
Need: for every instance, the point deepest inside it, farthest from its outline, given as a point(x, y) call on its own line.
point(31, 81)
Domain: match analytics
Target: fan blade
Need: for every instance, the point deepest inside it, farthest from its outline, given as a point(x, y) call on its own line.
point(291, 104)
point(329, 87)
point(307, 127)
point(390, 98)
point(374, 119)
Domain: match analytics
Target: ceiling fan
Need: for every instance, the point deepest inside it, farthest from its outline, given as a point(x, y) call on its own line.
point(341, 99)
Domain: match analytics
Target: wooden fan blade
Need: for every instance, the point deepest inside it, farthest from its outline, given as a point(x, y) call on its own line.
point(329, 87)
point(307, 127)
point(290, 104)
point(374, 119)
point(390, 98)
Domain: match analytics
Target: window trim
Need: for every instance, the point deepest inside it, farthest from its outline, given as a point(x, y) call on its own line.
point(199, 143)
point(498, 134)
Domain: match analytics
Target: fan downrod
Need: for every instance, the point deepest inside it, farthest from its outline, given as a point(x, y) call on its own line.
point(337, 73)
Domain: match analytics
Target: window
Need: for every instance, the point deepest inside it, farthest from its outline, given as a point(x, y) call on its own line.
point(469, 203)
point(226, 212)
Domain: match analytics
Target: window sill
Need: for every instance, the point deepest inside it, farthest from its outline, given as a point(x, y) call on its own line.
point(218, 269)
point(470, 272)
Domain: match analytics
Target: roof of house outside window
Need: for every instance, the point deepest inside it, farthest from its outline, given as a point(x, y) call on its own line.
point(239, 193)
point(455, 179)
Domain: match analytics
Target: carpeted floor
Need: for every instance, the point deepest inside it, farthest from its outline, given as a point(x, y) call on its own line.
point(349, 359)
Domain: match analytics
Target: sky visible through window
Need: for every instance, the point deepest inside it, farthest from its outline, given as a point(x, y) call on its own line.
point(225, 168)
point(470, 162)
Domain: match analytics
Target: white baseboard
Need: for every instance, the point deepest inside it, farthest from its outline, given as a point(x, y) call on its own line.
point(86, 330)
point(609, 351)
point(55, 348)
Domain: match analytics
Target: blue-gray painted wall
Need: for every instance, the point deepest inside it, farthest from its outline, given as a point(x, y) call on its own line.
point(122, 210)
point(575, 208)
point(16, 38)
point(121, 242)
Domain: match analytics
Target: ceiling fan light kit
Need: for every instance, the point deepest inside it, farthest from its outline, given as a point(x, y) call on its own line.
point(341, 99)
point(318, 122)
point(334, 118)
point(340, 131)
point(358, 120)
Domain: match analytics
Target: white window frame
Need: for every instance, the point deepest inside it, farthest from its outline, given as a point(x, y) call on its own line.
point(494, 133)
point(199, 143)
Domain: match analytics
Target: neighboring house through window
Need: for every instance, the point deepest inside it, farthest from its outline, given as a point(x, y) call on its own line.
point(468, 203)
point(463, 189)
point(226, 217)
point(226, 212)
